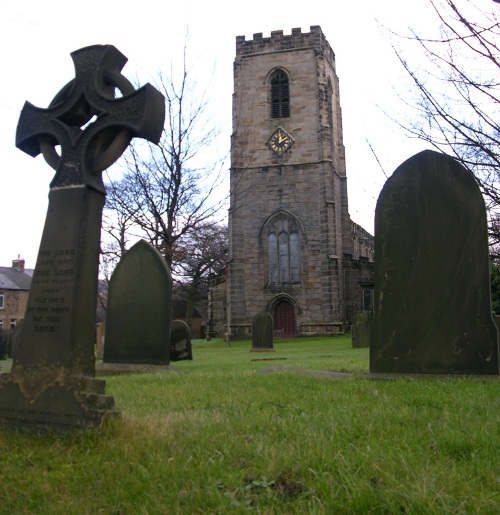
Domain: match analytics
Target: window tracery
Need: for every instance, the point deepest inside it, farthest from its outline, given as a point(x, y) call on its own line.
point(283, 251)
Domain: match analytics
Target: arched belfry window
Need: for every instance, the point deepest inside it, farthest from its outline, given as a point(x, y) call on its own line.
point(283, 250)
point(280, 95)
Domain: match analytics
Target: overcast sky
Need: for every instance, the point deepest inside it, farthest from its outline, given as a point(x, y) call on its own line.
point(37, 38)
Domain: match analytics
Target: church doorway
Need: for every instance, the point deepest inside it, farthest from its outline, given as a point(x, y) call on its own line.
point(284, 319)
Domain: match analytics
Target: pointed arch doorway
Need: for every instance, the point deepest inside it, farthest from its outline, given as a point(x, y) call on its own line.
point(284, 318)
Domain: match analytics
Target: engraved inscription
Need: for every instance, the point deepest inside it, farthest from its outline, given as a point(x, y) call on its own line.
point(54, 275)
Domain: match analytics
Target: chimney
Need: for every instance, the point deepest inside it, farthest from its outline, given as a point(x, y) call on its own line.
point(18, 264)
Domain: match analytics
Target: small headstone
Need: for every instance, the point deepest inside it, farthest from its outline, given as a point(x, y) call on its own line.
point(180, 341)
point(52, 385)
point(361, 329)
point(100, 331)
point(262, 332)
point(432, 284)
point(139, 309)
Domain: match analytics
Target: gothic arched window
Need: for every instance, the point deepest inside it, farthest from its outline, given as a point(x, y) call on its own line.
point(283, 251)
point(280, 95)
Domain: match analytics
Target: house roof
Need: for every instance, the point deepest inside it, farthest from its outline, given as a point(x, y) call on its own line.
point(13, 279)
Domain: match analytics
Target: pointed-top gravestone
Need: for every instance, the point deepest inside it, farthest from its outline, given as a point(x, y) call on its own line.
point(432, 283)
point(52, 383)
point(139, 309)
point(262, 332)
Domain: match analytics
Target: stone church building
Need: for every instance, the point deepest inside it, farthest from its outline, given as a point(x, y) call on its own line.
point(293, 249)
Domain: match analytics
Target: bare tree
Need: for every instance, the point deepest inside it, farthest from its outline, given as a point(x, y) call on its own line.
point(458, 92)
point(167, 191)
point(200, 254)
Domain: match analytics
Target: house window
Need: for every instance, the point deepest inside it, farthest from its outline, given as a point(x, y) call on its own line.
point(1, 299)
point(13, 323)
point(280, 95)
point(283, 251)
point(1, 324)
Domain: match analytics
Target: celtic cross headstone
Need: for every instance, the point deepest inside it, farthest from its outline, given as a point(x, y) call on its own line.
point(92, 119)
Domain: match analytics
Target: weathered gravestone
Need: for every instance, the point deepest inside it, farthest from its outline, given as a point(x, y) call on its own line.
point(262, 332)
point(139, 309)
point(52, 384)
point(180, 341)
point(361, 329)
point(432, 284)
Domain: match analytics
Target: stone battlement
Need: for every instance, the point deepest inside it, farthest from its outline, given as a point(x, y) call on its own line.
point(279, 42)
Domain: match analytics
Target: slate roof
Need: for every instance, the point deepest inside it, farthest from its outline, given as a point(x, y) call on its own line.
point(13, 279)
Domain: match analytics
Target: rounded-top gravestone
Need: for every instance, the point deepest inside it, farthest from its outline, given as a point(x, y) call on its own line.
point(432, 282)
point(180, 341)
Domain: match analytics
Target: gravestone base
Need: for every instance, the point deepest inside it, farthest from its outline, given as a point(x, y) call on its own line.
point(306, 372)
point(261, 350)
point(53, 402)
point(391, 376)
point(115, 369)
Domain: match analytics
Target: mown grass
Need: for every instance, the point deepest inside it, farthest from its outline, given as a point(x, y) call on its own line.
point(217, 437)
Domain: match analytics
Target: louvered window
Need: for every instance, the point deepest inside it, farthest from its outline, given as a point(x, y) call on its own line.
point(280, 96)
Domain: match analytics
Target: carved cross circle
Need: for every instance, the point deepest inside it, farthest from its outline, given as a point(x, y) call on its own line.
point(90, 124)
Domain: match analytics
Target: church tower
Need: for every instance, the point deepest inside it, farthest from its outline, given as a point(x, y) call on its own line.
point(291, 238)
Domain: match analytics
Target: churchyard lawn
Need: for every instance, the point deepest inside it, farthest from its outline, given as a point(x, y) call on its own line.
point(217, 437)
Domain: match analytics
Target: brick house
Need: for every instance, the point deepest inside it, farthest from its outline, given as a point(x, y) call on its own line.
point(15, 283)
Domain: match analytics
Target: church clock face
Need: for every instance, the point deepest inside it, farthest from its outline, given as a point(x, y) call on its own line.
point(280, 141)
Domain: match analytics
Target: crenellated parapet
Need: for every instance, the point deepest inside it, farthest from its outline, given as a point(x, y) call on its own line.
point(280, 42)
point(363, 242)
